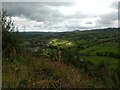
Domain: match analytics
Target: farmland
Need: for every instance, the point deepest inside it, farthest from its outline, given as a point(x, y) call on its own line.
point(65, 59)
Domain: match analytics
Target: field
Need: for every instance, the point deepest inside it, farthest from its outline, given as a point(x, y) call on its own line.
point(77, 59)
point(104, 47)
point(111, 62)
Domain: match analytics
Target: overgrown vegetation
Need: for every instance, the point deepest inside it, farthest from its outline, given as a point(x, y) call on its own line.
point(78, 59)
point(10, 42)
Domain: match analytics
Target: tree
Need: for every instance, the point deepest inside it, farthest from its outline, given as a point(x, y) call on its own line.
point(10, 41)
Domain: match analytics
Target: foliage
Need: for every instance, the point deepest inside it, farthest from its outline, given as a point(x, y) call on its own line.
point(10, 42)
point(32, 72)
point(67, 59)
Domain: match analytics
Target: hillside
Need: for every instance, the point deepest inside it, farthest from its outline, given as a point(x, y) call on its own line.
point(27, 72)
point(77, 59)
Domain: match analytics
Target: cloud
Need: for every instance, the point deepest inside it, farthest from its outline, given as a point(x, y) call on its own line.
point(40, 11)
point(108, 20)
point(114, 5)
point(49, 16)
point(0, 6)
point(38, 1)
point(119, 11)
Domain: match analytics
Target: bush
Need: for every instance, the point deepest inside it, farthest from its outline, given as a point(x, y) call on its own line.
point(10, 41)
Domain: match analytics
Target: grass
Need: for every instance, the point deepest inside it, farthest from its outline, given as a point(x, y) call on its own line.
point(35, 71)
point(112, 62)
point(62, 43)
point(32, 72)
point(106, 47)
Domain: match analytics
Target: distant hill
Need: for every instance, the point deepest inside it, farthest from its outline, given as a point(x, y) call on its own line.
point(58, 34)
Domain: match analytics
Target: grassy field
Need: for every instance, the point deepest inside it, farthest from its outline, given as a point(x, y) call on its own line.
point(40, 72)
point(65, 60)
point(104, 47)
point(111, 62)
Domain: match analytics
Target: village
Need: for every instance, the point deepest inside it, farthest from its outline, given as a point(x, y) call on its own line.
point(37, 46)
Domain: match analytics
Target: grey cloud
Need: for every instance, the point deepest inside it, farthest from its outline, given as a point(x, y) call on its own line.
point(119, 11)
point(114, 5)
point(19, 8)
point(47, 12)
point(89, 22)
point(0, 4)
point(37, 0)
point(107, 19)
point(34, 11)
point(39, 11)
point(59, 3)
point(119, 4)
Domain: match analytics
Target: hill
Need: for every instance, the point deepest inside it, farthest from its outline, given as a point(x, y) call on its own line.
point(77, 59)
point(32, 72)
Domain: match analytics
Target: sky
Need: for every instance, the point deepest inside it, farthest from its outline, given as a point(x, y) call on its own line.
point(60, 16)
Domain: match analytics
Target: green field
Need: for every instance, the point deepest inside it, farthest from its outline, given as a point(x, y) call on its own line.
point(104, 47)
point(78, 59)
point(111, 62)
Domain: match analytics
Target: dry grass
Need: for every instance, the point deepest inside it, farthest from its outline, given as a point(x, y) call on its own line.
point(43, 73)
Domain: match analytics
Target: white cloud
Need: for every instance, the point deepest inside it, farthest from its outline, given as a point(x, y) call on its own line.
point(80, 14)
point(94, 7)
point(25, 24)
point(67, 10)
